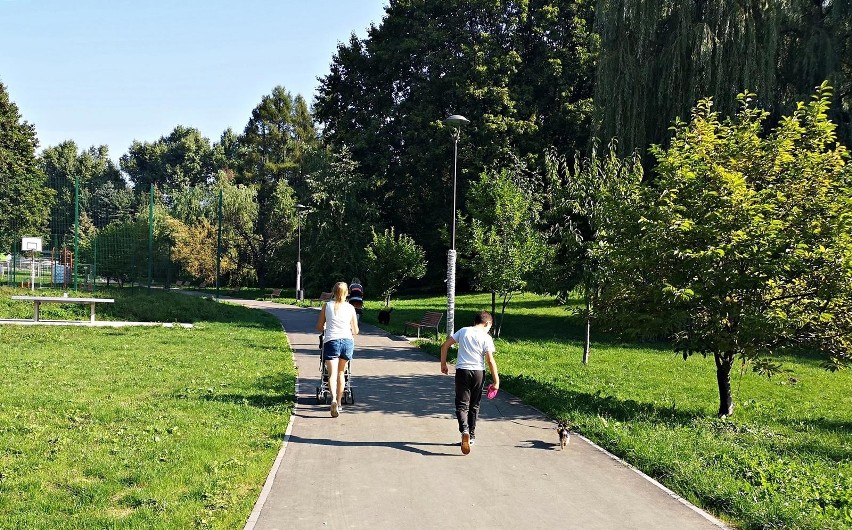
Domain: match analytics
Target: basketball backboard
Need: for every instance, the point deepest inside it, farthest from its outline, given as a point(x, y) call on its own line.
point(31, 243)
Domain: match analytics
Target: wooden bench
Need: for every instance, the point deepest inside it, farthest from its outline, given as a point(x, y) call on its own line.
point(323, 297)
point(274, 293)
point(430, 320)
point(38, 300)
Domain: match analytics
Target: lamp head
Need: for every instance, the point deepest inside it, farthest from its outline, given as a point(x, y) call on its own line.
point(456, 120)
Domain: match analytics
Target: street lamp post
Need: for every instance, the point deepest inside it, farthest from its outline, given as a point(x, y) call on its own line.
point(300, 292)
point(455, 121)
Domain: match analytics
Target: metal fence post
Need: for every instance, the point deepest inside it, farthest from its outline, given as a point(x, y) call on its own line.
point(151, 236)
point(76, 230)
point(219, 245)
point(94, 262)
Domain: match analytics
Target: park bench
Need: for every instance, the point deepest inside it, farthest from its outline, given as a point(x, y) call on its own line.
point(430, 320)
point(38, 300)
point(274, 293)
point(323, 297)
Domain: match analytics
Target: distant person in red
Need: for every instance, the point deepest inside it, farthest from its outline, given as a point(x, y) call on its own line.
point(475, 348)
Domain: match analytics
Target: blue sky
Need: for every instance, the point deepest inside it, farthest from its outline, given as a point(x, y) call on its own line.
point(111, 71)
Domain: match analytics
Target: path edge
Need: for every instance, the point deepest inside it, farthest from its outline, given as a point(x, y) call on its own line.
point(703, 513)
point(270, 478)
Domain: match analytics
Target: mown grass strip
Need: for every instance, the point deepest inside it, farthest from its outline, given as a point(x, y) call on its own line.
point(141, 427)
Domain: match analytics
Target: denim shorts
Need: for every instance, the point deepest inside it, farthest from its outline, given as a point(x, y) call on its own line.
point(338, 348)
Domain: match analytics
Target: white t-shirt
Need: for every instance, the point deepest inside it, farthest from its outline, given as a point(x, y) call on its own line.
point(338, 325)
point(474, 343)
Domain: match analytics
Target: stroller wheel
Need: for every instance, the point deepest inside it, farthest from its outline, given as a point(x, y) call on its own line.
point(350, 398)
point(319, 397)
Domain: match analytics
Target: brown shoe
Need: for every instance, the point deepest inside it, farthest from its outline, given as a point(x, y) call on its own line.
point(465, 444)
point(334, 411)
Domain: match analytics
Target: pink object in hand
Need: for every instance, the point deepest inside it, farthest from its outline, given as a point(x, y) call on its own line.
point(492, 392)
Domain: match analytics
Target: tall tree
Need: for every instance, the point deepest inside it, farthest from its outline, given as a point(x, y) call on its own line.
point(521, 71)
point(338, 227)
point(24, 193)
point(658, 57)
point(815, 45)
point(275, 139)
point(100, 184)
point(744, 248)
point(181, 159)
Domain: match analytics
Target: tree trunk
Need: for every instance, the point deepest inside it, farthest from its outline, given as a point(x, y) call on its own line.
point(493, 303)
point(724, 363)
point(499, 329)
point(587, 343)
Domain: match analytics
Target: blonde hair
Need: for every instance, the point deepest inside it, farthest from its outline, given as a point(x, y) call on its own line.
point(339, 292)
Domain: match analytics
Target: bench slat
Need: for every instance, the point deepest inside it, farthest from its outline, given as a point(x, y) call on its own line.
point(431, 319)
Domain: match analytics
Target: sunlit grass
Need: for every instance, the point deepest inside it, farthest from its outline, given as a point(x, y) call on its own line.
point(784, 460)
point(140, 427)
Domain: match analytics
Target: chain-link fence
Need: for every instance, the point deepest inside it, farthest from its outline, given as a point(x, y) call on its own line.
point(100, 234)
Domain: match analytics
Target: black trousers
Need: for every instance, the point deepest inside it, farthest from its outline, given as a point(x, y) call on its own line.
point(468, 395)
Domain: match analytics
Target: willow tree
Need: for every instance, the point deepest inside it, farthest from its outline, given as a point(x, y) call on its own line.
point(660, 56)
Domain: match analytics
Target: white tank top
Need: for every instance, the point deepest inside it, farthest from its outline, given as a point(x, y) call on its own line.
point(338, 326)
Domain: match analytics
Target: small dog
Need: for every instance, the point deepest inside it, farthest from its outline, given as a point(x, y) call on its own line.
point(564, 434)
point(384, 316)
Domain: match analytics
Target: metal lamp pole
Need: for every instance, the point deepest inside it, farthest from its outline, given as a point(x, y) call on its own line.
point(456, 121)
point(300, 293)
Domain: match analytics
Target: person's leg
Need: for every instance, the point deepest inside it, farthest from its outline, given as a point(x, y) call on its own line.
point(331, 354)
point(347, 350)
point(341, 380)
point(477, 381)
point(462, 400)
point(331, 368)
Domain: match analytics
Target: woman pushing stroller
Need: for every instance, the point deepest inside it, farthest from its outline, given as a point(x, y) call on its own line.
point(339, 324)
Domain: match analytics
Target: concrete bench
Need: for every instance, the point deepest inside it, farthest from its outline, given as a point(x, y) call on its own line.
point(38, 300)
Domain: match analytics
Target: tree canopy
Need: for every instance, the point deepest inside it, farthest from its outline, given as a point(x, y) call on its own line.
point(24, 194)
point(658, 57)
point(522, 72)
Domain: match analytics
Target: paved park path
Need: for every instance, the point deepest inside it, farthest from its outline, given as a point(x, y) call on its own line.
point(393, 460)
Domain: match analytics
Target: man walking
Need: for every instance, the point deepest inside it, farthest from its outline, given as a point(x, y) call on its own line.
point(475, 347)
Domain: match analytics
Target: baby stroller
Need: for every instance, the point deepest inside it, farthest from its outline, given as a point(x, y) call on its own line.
point(323, 390)
point(356, 297)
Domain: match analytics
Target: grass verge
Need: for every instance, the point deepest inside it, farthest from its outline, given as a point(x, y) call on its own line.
point(140, 427)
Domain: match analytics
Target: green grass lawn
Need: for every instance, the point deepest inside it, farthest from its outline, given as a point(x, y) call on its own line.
point(784, 460)
point(140, 427)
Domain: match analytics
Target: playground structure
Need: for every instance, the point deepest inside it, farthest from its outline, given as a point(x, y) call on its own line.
point(36, 269)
